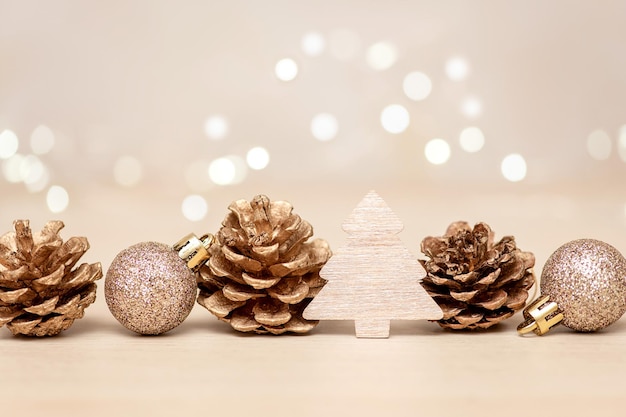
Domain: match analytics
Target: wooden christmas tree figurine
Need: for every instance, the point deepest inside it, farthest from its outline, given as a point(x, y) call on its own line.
point(373, 279)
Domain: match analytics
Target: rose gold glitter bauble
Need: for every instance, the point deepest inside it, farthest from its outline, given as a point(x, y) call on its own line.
point(587, 279)
point(149, 289)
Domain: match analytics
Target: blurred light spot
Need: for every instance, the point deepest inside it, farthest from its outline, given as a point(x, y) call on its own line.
point(437, 151)
point(197, 176)
point(313, 44)
point(344, 44)
point(8, 144)
point(127, 171)
point(599, 145)
point(241, 168)
point(417, 86)
point(216, 127)
point(395, 118)
point(324, 127)
point(227, 170)
point(621, 143)
point(57, 198)
point(286, 69)
point(258, 158)
point(32, 170)
point(222, 171)
point(381, 56)
point(42, 140)
point(11, 168)
point(471, 107)
point(194, 207)
point(40, 182)
point(472, 139)
point(514, 167)
point(457, 69)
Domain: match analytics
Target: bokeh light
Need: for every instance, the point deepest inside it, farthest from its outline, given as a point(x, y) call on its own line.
point(599, 145)
point(227, 170)
point(39, 182)
point(472, 107)
point(472, 139)
point(57, 199)
point(127, 171)
point(286, 69)
point(28, 169)
point(417, 86)
point(9, 144)
point(313, 44)
point(381, 56)
point(437, 151)
point(258, 158)
point(395, 118)
point(222, 171)
point(33, 173)
point(11, 168)
point(344, 44)
point(194, 207)
point(514, 167)
point(324, 127)
point(457, 68)
point(216, 127)
point(42, 140)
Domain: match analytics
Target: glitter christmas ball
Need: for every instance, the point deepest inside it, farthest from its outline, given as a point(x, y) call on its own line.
point(149, 289)
point(587, 279)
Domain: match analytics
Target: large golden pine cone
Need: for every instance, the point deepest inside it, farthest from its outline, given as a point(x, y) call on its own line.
point(475, 282)
point(40, 293)
point(263, 270)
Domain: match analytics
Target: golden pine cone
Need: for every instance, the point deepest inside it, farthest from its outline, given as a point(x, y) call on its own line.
point(475, 282)
point(40, 293)
point(263, 270)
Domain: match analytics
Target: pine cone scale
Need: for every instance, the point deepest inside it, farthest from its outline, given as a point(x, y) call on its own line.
point(23, 326)
point(491, 300)
point(290, 291)
point(24, 240)
point(237, 292)
point(84, 274)
point(243, 322)
point(68, 307)
point(7, 315)
point(270, 313)
point(243, 261)
point(52, 280)
point(463, 296)
point(220, 305)
point(516, 298)
point(260, 283)
point(17, 296)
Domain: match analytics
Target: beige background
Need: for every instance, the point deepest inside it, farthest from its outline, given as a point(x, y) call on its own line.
point(140, 79)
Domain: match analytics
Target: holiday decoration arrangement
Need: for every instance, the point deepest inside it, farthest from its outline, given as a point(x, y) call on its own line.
point(263, 273)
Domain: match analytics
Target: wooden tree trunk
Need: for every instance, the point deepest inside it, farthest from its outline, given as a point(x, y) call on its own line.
point(372, 328)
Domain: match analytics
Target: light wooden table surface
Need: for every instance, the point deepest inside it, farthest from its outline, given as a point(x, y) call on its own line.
point(99, 368)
